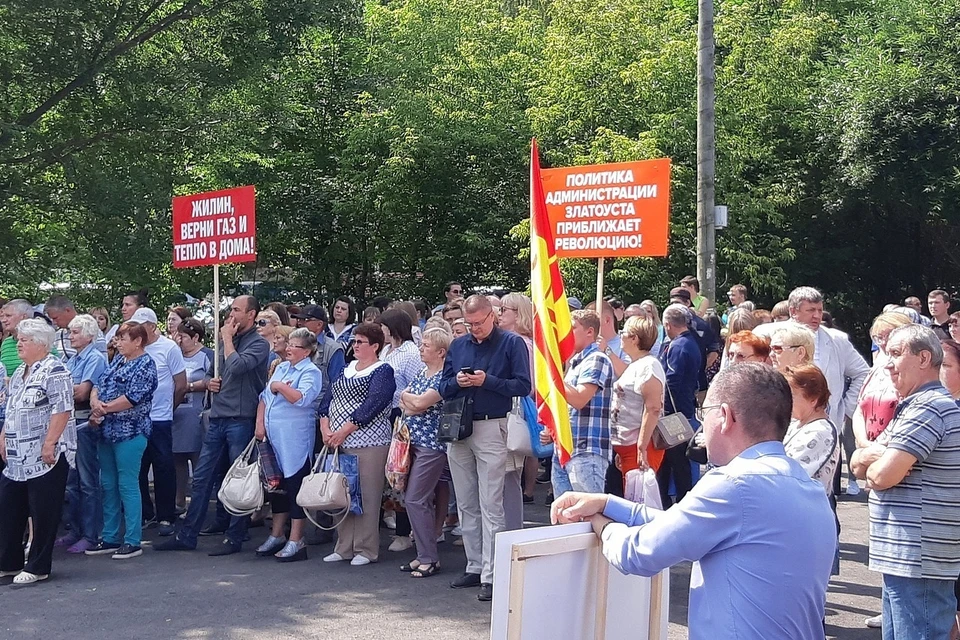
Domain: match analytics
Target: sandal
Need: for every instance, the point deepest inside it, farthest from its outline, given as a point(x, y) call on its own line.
point(410, 566)
point(430, 570)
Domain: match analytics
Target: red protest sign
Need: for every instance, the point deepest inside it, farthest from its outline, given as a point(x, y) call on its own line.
point(216, 227)
point(609, 210)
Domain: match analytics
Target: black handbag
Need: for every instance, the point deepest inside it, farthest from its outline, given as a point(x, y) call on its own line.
point(697, 452)
point(456, 422)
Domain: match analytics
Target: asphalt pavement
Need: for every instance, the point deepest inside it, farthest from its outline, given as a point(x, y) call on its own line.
point(192, 596)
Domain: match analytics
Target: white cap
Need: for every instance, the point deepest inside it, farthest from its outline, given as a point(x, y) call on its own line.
point(143, 315)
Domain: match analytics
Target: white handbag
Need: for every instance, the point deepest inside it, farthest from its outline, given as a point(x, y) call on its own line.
point(642, 488)
point(325, 490)
point(518, 433)
point(242, 492)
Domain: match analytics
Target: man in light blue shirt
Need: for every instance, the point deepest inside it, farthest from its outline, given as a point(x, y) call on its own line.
point(759, 531)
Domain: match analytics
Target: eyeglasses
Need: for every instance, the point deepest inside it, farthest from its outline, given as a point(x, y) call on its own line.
point(514, 309)
point(357, 341)
point(262, 323)
point(778, 348)
point(737, 357)
point(295, 346)
point(471, 325)
point(704, 410)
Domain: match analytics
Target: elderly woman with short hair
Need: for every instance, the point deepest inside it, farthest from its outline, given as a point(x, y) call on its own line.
point(39, 443)
point(84, 510)
point(791, 345)
point(121, 403)
point(422, 406)
point(287, 417)
point(359, 421)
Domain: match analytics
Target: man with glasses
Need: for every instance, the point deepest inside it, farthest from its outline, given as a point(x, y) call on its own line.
point(233, 411)
point(755, 520)
point(492, 366)
point(452, 291)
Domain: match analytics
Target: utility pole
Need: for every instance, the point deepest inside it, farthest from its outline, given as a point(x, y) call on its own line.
point(706, 153)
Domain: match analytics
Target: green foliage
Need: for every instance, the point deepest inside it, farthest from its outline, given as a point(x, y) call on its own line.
point(389, 141)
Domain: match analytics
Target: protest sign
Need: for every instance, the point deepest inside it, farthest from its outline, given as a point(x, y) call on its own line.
point(216, 227)
point(609, 210)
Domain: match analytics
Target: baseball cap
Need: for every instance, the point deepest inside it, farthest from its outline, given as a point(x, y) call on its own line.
point(142, 315)
point(313, 312)
point(574, 304)
point(680, 292)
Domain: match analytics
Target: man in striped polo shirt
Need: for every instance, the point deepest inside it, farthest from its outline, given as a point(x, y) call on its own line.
point(914, 471)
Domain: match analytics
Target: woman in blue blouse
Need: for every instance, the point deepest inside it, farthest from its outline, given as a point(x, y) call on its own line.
point(287, 417)
point(359, 421)
point(422, 407)
point(120, 406)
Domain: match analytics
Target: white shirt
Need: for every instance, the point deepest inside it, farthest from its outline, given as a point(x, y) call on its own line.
point(169, 360)
point(628, 407)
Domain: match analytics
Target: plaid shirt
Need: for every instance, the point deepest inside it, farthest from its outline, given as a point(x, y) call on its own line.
point(591, 425)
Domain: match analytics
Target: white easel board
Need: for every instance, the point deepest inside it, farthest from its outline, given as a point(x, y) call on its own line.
point(549, 581)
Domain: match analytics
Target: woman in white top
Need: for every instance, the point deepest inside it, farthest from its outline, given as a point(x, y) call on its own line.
point(637, 399)
point(812, 439)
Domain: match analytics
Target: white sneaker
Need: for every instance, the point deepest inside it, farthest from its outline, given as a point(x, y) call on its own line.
point(875, 622)
point(400, 543)
point(441, 538)
point(457, 531)
point(25, 577)
point(359, 561)
point(853, 489)
point(390, 519)
point(334, 557)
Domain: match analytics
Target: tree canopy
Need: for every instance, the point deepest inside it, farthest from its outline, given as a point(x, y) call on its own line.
point(389, 140)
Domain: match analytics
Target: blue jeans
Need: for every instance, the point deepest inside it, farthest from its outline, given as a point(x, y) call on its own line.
point(917, 608)
point(225, 435)
point(84, 506)
point(584, 472)
point(159, 453)
point(119, 471)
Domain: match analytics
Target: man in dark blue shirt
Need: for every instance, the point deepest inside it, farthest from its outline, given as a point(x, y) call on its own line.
point(707, 339)
point(682, 363)
point(493, 366)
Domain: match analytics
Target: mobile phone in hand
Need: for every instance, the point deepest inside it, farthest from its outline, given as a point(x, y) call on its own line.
point(467, 370)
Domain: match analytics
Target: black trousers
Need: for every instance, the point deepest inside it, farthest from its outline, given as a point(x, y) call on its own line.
point(287, 502)
point(38, 498)
point(676, 464)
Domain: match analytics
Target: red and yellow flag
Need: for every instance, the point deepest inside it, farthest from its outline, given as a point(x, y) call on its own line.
point(553, 329)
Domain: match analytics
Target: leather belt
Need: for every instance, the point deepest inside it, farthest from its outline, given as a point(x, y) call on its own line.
point(486, 416)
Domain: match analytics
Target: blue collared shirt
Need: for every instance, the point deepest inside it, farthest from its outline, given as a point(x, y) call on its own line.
point(503, 356)
point(292, 427)
point(86, 366)
point(762, 538)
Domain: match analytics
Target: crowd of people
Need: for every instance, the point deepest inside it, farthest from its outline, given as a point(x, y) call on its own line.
point(94, 411)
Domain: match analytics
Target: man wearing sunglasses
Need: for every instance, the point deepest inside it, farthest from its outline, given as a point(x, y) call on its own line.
point(492, 366)
point(453, 291)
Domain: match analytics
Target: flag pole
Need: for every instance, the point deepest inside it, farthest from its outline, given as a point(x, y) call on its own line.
point(216, 321)
point(600, 287)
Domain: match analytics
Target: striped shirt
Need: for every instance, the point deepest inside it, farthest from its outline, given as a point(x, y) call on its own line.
point(915, 525)
point(591, 424)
